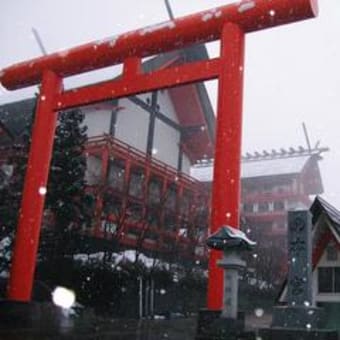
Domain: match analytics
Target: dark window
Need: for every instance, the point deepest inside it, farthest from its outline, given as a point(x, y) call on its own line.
point(329, 279)
point(136, 184)
point(116, 175)
point(247, 207)
point(279, 206)
point(264, 206)
point(337, 279)
point(267, 188)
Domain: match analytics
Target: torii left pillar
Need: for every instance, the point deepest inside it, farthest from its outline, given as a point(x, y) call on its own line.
point(27, 237)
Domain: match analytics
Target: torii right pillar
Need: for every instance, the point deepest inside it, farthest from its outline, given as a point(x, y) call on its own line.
point(227, 163)
point(226, 184)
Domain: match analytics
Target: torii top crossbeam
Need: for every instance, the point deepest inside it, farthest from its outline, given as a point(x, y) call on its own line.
point(249, 15)
point(227, 23)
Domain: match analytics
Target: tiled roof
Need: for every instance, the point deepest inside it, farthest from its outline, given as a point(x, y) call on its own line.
point(320, 206)
point(258, 168)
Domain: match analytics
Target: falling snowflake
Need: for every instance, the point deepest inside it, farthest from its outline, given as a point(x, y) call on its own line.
point(63, 297)
point(259, 312)
point(272, 13)
point(42, 191)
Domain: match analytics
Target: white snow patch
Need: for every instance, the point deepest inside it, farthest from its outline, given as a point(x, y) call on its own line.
point(4, 243)
point(63, 54)
point(207, 16)
point(128, 255)
point(182, 232)
point(110, 40)
point(240, 234)
point(211, 14)
point(149, 29)
point(246, 6)
point(218, 14)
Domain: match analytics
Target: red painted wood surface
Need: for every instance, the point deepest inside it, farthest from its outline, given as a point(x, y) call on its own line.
point(33, 198)
point(227, 166)
point(250, 15)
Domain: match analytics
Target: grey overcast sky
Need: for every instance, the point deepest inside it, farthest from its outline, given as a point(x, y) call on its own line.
point(292, 72)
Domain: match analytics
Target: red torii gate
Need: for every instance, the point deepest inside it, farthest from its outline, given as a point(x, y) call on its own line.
point(229, 24)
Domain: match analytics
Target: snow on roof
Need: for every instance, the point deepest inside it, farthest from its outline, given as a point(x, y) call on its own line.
point(128, 255)
point(257, 168)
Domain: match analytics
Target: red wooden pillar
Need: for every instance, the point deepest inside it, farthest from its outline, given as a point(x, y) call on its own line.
point(179, 198)
point(126, 188)
point(146, 182)
point(103, 185)
point(28, 232)
point(163, 199)
point(226, 183)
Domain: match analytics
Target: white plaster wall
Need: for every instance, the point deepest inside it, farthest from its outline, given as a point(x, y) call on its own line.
point(132, 128)
point(325, 297)
point(98, 122)
point(186, 165)
point(166, 107)
point(166, 144)
point(132, 125)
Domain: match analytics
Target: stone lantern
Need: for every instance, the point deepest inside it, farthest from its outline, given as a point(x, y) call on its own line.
point(232, 242)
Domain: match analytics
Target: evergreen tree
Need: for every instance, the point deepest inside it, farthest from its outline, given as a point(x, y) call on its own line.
point(11, 193)
point(66, 186)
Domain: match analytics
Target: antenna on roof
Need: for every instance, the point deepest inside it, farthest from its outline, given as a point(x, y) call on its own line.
point(169, 10)
point(317, 144)
point(306, 136)
point(39, 41)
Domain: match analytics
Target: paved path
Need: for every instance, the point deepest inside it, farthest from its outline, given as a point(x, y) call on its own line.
point(177, 329)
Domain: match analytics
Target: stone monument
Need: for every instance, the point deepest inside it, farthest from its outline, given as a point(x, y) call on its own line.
point(300, 318)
